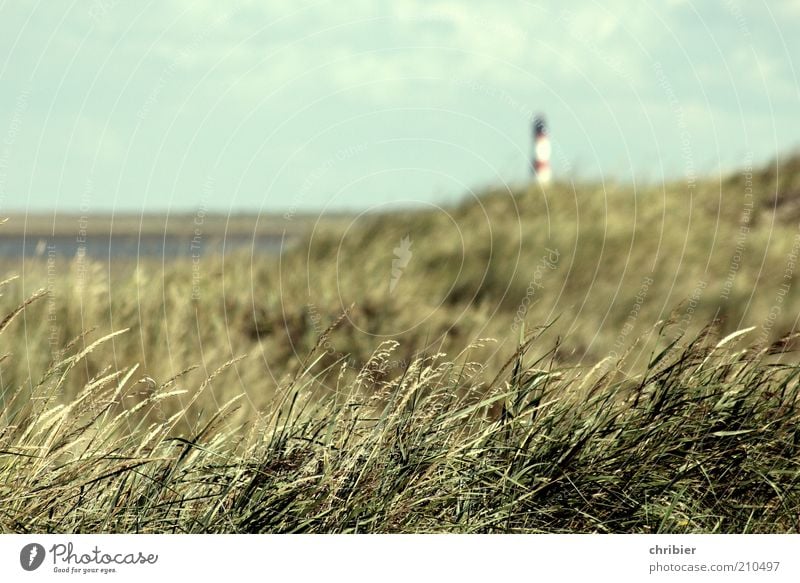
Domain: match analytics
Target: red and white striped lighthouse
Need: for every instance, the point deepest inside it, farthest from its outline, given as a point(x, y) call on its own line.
point(541, 151)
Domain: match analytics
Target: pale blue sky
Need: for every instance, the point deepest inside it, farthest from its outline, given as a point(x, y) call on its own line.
point(277, 105)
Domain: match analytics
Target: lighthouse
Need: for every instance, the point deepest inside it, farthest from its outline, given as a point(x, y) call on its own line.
point(541, 151)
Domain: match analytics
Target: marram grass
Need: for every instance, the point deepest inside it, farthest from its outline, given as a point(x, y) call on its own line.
point(616, 426)
point(705, 440)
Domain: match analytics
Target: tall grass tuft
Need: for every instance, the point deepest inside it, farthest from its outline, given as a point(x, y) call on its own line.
point(706, 439)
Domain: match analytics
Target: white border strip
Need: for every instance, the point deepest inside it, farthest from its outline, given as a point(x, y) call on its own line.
point(411, 558)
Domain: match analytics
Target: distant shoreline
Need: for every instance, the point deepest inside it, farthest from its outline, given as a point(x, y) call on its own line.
point(183, 224)
point(133, 246)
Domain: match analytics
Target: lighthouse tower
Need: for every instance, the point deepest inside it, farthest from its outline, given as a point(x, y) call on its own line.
point(541, 151)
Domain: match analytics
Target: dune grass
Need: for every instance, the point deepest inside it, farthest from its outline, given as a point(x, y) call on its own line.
point(600, 264)
point(706, 440)
point(529, 361)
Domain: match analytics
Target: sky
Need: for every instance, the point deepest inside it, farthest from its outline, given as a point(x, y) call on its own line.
point(304, 106)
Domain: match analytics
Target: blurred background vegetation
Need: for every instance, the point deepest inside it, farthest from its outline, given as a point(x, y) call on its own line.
point(604, 266)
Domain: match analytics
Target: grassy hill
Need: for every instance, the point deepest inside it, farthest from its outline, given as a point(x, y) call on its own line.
point(605, 267)
point(605, 263)
point(535, 359)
